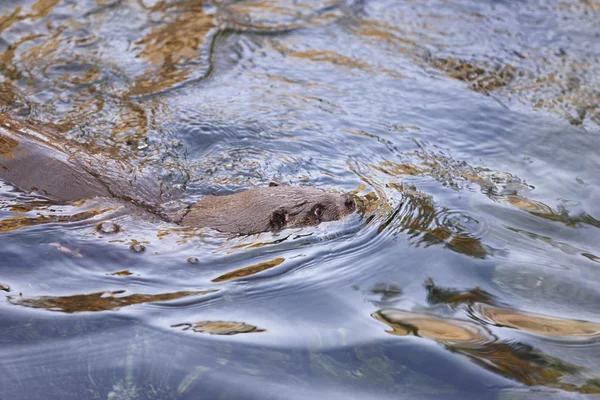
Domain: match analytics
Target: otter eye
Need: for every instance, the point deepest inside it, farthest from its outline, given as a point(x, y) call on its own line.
point(349, 203)
point(278, 220)
point(318, 211)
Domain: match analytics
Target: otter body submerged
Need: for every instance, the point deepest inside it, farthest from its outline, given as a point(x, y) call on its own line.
point(64, 171)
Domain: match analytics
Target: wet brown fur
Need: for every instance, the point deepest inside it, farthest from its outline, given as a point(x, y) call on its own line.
point(64, 172)
point(269, 209)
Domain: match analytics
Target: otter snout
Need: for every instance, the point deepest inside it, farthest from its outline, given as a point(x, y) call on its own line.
point(349, 203)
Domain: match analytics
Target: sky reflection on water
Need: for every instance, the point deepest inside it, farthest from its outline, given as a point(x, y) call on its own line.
point(468, 131)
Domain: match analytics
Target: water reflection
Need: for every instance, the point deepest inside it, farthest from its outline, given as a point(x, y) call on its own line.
point(549, 285)
point(549, 77)
point(455, 297)
point(512, 359)
point(427, 226)
point(280, 15)
point(14, 223)
point(343, 61)
point(78, 68)
point(122, 273)
point(99, 301)
point(539, 324)
point(462, 126)
point(474, 338)
point(417, 216)
point(481, 78)
point(485, 307)
point(500, 187)
point(219, 327)
point(248, 271)
point(440, 329)
point(172, 46)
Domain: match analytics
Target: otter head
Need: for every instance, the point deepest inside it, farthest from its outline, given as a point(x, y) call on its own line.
point(305, 206)
point(270, 208)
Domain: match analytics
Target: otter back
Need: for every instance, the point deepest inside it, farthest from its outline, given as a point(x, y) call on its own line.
point(64, 171)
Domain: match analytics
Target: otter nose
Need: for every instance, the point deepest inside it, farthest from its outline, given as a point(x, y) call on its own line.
point(349, 202)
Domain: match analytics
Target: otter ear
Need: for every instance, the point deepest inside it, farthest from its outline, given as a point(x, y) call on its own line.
point(278, 220)
point(273, 183)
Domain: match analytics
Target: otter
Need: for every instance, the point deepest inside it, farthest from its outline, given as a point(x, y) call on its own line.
point(64, 171)
point(269, 208)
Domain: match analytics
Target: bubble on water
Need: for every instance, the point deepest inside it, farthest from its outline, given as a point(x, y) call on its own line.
point(137, 247)
point(108, 227)
point(142, 144)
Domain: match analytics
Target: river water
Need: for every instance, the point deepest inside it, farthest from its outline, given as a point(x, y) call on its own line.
point(468, 130)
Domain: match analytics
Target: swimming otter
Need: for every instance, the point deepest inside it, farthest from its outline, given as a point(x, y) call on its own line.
point(269, 208)
point(63, 171)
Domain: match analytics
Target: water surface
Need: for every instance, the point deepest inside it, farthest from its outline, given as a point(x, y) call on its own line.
point(469, 130)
